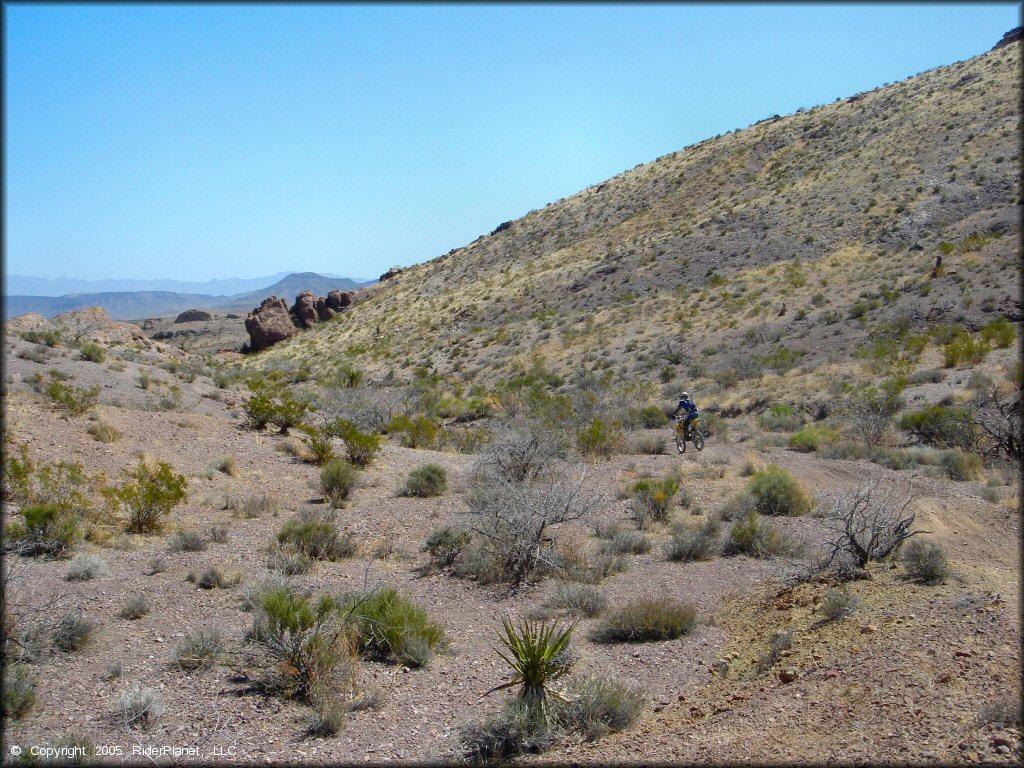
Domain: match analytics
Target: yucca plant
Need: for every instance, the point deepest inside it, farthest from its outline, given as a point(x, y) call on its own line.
point(538, 654)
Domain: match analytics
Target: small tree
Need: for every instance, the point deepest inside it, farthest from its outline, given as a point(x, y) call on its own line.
point(869, 523)
point(149, 493)
point(871, 411)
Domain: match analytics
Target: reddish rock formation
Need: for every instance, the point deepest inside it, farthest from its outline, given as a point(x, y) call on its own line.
point(269, 323)
point(339, 300)
point(304, 310)
point(192, 315)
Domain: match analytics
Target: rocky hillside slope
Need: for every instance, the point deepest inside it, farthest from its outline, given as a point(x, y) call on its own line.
point(798, 236)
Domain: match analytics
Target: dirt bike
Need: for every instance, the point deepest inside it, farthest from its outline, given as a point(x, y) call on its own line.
point(696, 434)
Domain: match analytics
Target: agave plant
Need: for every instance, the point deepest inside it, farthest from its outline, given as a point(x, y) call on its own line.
point(537, 655)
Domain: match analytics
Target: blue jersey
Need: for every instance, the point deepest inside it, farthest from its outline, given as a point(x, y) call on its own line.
point(688, 406)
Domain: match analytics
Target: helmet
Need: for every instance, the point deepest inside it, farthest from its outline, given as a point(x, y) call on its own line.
point(684, 396)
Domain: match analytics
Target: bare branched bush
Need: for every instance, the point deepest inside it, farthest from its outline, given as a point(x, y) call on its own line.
point(869, 523)
point(870, 412)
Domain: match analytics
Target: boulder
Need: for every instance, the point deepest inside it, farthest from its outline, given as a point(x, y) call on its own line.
point(269, 323)
point(193, 315)
point(1012, 36)
point(339, 300)
point(393, 272)
point(323, 311)
point(304, 310)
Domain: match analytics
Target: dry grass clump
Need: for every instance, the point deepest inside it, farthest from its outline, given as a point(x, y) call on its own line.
point(838, 604)
point(135, 607)
point(756, 537)
point(86, 567)
point(925, 562)
point(199, 649)
point(580, 600)
point(646, 620)
point(694, 542)
point(140, 705)
point(104, 432)
point(252, 507)
point(187, 540)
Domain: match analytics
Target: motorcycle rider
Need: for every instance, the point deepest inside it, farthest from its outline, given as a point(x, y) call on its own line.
point(687, 405)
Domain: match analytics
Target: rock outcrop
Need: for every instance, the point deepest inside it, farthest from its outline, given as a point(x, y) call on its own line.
point(393, 272)
point(193, 315)
point(273, 321)
point(269, 323)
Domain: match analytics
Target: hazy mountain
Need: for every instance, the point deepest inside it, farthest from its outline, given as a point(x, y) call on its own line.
point(135, 305)
point(23, 285)
point(798, 238)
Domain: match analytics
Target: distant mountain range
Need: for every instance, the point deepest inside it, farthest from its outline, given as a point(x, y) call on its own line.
point(137, 304)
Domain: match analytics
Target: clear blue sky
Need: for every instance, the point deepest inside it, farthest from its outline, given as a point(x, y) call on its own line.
point(197, 142)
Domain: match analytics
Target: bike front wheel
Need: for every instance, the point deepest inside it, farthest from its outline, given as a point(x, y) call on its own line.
point(680, 442)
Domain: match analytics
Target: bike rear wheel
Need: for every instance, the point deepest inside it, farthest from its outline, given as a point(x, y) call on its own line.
point(698, 440)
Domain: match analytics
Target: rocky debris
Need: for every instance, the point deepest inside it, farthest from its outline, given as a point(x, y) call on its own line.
point(501, 227)
point(90, 324)
point(193, 315)
point(393, 272)
point(269, 323)
point(273, 321)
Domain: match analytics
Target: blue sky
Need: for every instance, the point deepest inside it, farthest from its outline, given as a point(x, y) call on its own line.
point(197, 142)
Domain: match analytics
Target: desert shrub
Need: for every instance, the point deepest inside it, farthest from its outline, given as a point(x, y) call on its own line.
point(218, 534)
point(465, 439)
point(514, 731)
point(317, 539)
point(647, 417)
point(306, 647)
point(595, 707)
point(156, 565)
point(654, 497)
point(738, 506)
point(186, 540)
point(135, 607)
point(140, 705)
point(72, 632)
point(838, 604)
point(19, 691)
point(362, 447)
point(288, 411)
point(86, 567)
point(812, 438)
point(445, 544)
point(418, 432)
point(1004, 712)
point(940, 425)
point(104, 432)
point(693, 542)
point(252, 507)
point(593, 568)
point(650, 445)
point(925, 562)
point(319, 441)
point(92, 352)
point(777, 643)
point(630, 542)
point(288, 561)
point(259, 410)
point(780, 418)
point(964, 349)
point(43, 529)
point(777, 492)
point(599, 439)
point(870, 411)
point(211, 578)
point(75, 400)
point(337, 479)
point(756, 537)
point(1000, 332)
point(149, 493)
point(199, 649)
point(646, 620)
point(961, 466)
point(391, 626)
point(539, 655)
point(869, 523)
point(580, 600)
point(50, 338)
point(427, 480)
point(328, 713)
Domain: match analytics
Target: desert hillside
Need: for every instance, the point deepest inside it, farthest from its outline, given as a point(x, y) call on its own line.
point(453, 523)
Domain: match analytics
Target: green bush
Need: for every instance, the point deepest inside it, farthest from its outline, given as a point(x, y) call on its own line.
point(149, 494)
point(320, 443)
point(925, 562)
point(780, 418)
point(1000, 332)
point(757, 538)
point(19, 691)
point(646, 620)
point(445, 544)
point(647, 417)
point(44, 529)
point(964, 349)
point(362, 447)
point(813, 437)
point(259, 410)
point(289, 412)
point(337, 479)
point(776, 492)
point(391, 626)
point(75, 400)
point(94, 353)
point(538, 655)
point(596, 706)
point(600, 438)
point(693, 542)
point(962, 466)
point(428, 480)
point(655, 496)
point(940, 425)
point(420, 432)
point(317, 539)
